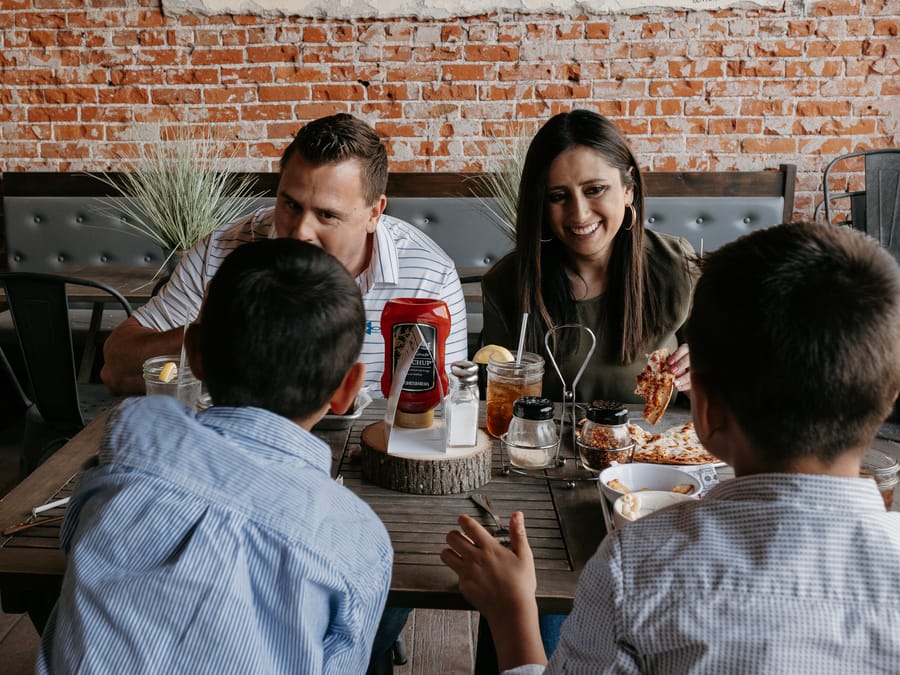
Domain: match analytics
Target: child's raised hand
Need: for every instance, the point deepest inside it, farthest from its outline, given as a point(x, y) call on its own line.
point(494, 579)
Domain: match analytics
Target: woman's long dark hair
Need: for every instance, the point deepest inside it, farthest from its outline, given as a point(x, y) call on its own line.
point(633, 309)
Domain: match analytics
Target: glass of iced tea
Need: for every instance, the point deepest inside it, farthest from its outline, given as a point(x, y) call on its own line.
point(507, 381)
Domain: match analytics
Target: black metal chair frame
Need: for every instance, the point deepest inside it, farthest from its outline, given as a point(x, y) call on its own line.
point(857, 197)
point(39, 307)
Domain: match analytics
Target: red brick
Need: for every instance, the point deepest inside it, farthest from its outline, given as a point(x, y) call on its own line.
point(411, 72)
point(65, 150)
point(337, 92)
point(175, 96)
point(707, 68)
point(283, 53)
point(291, 92)
point(823, 108)
point(814, 68)
point(764, 107)
point(735, 125)
point(54, 113)
point(229, 94)
point(597, 31)
point(816, 48)
point(123, 95)
point(388, 92)
point(563, 90)
point(215, 57)
point(382, 110)
point(75, 132)
point(449, 92)
point(491, 53)
point(465, 72)
point(71, 95)
point(193, 76)
point(315, 34)
point(106, 114)
point(296, 73)
point(451, 33)
point(528, 73)
point(432, 54)
point(677, 126)
point(306, 112)
point(769, 146)
point(135, 76)
point(252, 113)
point(515, 92)
point(676, 88)
point(833, 8)
point(47, 20)
point(249, 74)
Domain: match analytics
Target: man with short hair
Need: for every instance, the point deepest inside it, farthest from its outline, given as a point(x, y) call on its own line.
point(218, 542)
point(331, 193)
point(790, 567)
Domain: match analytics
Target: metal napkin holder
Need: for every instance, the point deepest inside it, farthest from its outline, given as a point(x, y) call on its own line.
point(568, 411)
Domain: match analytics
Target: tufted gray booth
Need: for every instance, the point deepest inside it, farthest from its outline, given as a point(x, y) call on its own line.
point(52, 222)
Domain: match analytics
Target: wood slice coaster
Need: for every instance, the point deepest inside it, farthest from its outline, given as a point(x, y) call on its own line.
point(463, 470)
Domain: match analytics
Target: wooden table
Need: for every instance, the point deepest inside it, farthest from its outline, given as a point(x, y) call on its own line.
point(565, 523)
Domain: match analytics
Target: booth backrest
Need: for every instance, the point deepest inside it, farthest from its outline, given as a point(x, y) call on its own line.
point(53, 221)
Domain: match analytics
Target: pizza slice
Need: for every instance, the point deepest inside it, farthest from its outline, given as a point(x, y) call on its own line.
point(656, 385)
point(678, 445)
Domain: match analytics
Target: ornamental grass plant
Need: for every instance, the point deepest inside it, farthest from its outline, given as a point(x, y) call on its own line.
point(498, 191)
point(178, 187)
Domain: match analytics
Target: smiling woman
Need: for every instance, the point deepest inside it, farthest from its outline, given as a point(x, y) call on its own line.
point(584, 256)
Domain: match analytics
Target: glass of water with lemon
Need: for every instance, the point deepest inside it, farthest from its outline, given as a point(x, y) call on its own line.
point(162, 376)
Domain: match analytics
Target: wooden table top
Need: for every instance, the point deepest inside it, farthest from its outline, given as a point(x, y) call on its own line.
point(565, 523)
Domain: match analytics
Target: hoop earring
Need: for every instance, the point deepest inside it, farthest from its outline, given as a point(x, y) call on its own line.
point(633, 219)
point(547, 241)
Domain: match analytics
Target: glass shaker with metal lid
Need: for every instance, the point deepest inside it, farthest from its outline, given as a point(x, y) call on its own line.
point(532, 440)
point(605, 438)
point(462, 408)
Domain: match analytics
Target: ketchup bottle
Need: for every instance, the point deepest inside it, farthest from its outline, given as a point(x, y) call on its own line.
point(421, 392)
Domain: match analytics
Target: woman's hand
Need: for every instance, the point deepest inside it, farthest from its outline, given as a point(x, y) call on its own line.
point(680, 365)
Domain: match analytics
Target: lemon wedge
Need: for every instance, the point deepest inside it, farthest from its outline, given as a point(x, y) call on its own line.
point(168, 372)
point(498, 353)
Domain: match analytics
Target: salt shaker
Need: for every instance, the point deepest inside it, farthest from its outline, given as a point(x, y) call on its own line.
point(462, 411)
point(532, 441)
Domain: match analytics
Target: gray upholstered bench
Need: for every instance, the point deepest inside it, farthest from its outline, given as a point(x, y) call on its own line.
point(52, 223)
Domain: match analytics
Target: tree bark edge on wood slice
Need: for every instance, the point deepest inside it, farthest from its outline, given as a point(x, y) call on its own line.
point(424, 475)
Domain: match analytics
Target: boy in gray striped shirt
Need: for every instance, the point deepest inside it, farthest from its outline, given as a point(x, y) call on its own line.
point(791, 567)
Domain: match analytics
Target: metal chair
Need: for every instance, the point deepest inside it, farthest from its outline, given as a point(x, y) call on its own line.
point(40, 313)
point(874, 210)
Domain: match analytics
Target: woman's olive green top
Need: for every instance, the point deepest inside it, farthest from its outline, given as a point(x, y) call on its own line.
point(604, 378)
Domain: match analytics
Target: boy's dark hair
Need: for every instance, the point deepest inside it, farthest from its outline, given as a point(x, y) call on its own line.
point(341, 137)
point(282, 323)
point(797, 329)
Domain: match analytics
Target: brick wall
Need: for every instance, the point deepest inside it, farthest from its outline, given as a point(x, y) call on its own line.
point(734, 89)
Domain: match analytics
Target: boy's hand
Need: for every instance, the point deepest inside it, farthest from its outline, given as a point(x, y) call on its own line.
point(500, 582)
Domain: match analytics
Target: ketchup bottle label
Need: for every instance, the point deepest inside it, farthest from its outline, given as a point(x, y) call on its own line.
point(421, 374)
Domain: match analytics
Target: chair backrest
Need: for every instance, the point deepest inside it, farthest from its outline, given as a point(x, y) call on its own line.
point(882, 213)
point(875, 209)
point(40, 313)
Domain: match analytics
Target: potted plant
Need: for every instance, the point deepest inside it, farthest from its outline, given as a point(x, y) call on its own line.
point(178, 188)
point(498, 191)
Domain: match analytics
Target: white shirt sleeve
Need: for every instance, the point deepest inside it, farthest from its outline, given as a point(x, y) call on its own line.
point(178, 301)
point(457, 347)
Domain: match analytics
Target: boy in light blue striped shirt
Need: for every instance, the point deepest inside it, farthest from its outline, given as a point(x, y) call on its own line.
point(218, 542)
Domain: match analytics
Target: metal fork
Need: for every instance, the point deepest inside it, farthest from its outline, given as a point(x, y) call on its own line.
point(485, 503)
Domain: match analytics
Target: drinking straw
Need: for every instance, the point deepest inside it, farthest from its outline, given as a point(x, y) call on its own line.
point(701, 247)
point(521, 338)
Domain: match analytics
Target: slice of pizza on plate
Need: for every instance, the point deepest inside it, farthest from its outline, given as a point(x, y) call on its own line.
point(656, 385)
point(677, 445)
